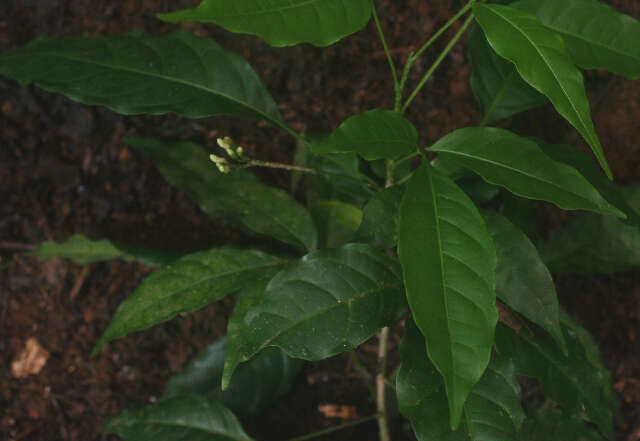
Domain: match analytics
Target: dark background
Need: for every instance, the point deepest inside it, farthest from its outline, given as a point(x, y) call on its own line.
point(64, 170)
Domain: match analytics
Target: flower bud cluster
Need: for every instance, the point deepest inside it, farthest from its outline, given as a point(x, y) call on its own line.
point(235, 153)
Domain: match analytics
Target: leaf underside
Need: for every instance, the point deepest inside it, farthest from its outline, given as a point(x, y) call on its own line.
point(283, 22)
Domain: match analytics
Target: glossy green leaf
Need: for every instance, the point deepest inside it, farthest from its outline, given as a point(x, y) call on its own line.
point(578, 383)
point(518, 164)
point(597, 36)
point(188, 284)
point(135, 73)
point(448, 261)
point(375, 134)
point(523, 282)
point(238, 197)
point(553, 424)
point(492, 412)
point(83, 250)
point(190, 417)
point(496, 82)
point(543, 62)
point(256, 384)
point(380, 218)
point(330, 302)
point(582, 162)
point(337, 221)
point(283, 22)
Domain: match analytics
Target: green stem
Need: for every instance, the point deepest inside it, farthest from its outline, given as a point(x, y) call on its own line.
point(364, 374)
point(436, 63)
point(440, 31)
point(257, 163)
point(334, 428)
point(386, 49)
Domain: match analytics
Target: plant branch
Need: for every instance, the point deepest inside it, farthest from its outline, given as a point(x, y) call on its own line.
point(436, 63)
point(18, 246)
point(334, 428)
point(386, 49)
point(381, 387)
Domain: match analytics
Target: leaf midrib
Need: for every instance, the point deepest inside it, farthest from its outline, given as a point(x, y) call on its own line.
point(519, 171)
point(265, 11)
point(445, 291)
point(201, 87)
point(548, 66)
point(187, 426)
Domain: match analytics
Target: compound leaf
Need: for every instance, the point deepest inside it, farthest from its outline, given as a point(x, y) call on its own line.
point(597, 36)
point(83, 250)
point(238, 197)
point(543, 62)
point(492, 411)
point(375, 134)
point(548, 424)
point(496, 82)
point(283, 22)
point(256, 384)
point(448, 261)
point(523, 281)
point(330, 302)
point(188, 284)
point(192, 417)
point(578, 383)
point(518, 164)
point(135, 73)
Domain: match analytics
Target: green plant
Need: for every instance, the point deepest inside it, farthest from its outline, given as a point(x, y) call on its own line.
point(338, 280)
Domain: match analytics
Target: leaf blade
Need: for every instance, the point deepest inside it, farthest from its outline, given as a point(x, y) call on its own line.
point(492, 412)
point(448, 267)
point(578, 383)
point(503, 158)
point(238, 197)
point(134, 73)
point(597, 36)
point(496, 82)
point(331, 301)
point(185, 417)
point(375, 134)
point(523, 281)
point(281, 22)
point(187, 285)
point(542, 61)
point(82, 250)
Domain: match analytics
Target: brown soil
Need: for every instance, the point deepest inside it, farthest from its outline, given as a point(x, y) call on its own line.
point(64, 170)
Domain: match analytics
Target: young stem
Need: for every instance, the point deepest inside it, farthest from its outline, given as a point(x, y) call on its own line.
point(440, 31)
point(257, 163)
point(436, 63)
point(381, 387)
point(364, 374)
point(414, 57)
point(386, 48)
point(334, 428)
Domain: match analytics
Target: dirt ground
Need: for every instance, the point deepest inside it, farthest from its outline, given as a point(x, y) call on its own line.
point(64, 170)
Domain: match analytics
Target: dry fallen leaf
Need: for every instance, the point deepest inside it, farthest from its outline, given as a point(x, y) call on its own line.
point(30, 360)
point(338, 411)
